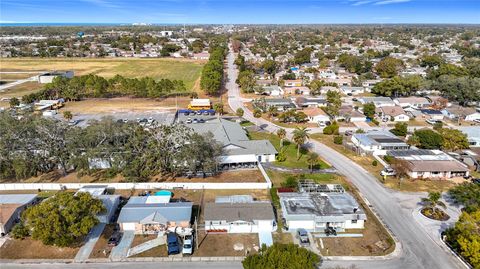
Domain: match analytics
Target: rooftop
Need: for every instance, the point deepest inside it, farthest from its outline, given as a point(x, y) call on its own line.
point(239, 211)
point(137, 210)
point(17, 198)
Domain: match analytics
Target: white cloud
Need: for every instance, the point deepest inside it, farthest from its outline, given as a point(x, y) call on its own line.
point(387, 2)
point(376, 2)
point(102, 3)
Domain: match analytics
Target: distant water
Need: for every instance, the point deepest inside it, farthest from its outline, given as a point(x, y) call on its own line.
point(75, 24)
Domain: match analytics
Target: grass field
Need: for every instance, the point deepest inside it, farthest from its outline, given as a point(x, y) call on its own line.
point(21, 90)
point(186, 70)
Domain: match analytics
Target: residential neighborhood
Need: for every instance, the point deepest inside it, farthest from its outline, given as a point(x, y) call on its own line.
point(239, 145)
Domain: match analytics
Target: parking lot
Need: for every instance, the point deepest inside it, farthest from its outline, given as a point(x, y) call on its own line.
point(159, 117)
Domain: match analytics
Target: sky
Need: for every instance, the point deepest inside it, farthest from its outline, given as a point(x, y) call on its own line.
point(240, 11)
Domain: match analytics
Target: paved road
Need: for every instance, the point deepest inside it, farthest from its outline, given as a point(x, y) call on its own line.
point(92, 238)
point(418, 249)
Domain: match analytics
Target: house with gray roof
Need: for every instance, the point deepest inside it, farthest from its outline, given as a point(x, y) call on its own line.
point(379, 101)
point(146, 215)
point(110, 201)
point(237, 147)
point(320, 210)
point(11, 206)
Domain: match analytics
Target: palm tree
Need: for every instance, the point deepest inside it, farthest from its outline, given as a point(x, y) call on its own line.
point(281, 133)
point(312, 160)
point(272, 111)
point(433, 201)
point(300, 136)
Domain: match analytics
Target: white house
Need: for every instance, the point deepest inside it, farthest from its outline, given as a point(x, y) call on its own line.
point(413, 101)
point(316, 211)
point(473, 117)
point(378, 101)
point(48, 77)
point(393, 113)
point(378, 142)
point(239, 214)
point(316, 115)
point(352, 90)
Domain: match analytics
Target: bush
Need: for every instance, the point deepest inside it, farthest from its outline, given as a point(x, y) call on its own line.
point(388, 158)
point(374, 163)
point(375, 122)
point(281, 157)
point(290, 182)
point(331, 129)
point(257, 113)
point(19, 231)
point(338, 140)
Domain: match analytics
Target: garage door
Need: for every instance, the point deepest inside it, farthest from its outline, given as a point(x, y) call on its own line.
point(128, 226)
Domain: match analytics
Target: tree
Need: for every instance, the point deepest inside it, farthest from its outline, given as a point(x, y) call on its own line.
point(281, 133)
point(67, 115)
point(257, 113)
point(272, 111)
point(218, 108)
point(388, 67)
point(433, 200)
point(399, 86)
point(302, 56)
point(312, 160)
point(461, 89)
point(427, 139)
point(400, 129)
point(14, 102)
point(467, 194)
point(63, 219)
point(338, 140)
point(282, 256)
point(465, 237)
point(331, 129)
point(334, 102)
point(431, 60)
point(369, 110)
point(300, 136)
point(246, 81)
point(239, 112)
point(453, 139)
point(270, 66)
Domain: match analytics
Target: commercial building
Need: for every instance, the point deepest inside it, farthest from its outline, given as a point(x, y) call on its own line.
point(48, 77)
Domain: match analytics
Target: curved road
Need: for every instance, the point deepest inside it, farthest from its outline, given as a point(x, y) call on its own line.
point(417, 249)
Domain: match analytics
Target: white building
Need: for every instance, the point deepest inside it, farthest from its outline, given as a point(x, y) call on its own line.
point(48, 77)
point(320, 210)
point(378, 142)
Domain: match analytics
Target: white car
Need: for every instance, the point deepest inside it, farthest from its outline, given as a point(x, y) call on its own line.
point(187, 245)
point(433, 122)
point(388, 172)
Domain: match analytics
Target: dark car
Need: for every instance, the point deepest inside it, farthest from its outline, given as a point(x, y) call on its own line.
point(172, 243)
point(302, 235)
point(114, 239)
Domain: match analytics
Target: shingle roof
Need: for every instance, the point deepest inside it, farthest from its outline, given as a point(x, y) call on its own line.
point(436, 166)
point(239, 211)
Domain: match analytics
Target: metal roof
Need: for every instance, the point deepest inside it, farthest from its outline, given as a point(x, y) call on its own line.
point(17, 198)
point(136, 210)
point(239, 211)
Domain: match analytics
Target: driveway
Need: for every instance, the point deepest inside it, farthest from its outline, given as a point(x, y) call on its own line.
point(361, 125)
point(418, 250)
point(90, 242)
point(120, 251)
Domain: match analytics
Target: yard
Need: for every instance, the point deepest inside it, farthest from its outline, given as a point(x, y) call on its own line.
point(366, 162)
point(222, 244)
point(101, 248)
point(34, 249)
point(182, 69)
point(290, 150)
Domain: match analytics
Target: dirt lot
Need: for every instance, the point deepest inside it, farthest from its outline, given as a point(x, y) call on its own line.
point(101, 246)
point(222, 244)
point(33, 249)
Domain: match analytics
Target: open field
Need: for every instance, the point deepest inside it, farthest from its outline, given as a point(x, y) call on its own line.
point(34, 249)
point(183, 69)
point(123, 104)
point(407, 185)
point(290, 151)
point(21, 90)
point(16, 76)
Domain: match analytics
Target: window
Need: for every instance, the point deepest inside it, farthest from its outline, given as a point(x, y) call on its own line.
point(354, 221)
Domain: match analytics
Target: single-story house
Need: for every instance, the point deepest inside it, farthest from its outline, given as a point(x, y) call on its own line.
point(280, 103)
point(317, 211)
point(201, 56)
point(11, 206)
point(473, 117)
point(378, 142)
point(347, 113)
point(316, 115)
point(431, 164)
point(457, 111)
point(413, 101)
point(272, 90)
point(293, 83)
point(378, 101)
point(110, 201)
point(264, 82)
point(369, 83)
point(432, 114)
point(352, 90)
point(302, 101)
point(146, 215)
point(325, 89)
point(239, 214)
point(301, 90)
point(393, 113)
point(473, 135)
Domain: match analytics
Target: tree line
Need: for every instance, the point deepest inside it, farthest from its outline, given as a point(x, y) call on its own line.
point(33, 145)
point(212, 72)
point(93, 86)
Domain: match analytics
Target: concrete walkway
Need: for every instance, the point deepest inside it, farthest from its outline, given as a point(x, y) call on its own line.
point(91, 240)
point(120, 251)
point(160, 240)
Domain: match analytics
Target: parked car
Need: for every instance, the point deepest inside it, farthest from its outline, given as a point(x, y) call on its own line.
point(201, 120)
point(172, 244)
point(302, 235)
point(432, 121)
point(189, 120)
point(187, 245)
point(388, 172)
point(114, 239)
point(195, 120)
point(330, 231)
point(348, 132)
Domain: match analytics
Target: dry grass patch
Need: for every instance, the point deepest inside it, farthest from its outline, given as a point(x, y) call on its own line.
point(123, 104)
point(101, 248)
point(34, 249)
point(222, 244)
point(253, 175)
point(21, 90)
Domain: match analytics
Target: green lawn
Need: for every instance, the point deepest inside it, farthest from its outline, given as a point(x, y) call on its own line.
point(280, 178)
point(290, 150)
